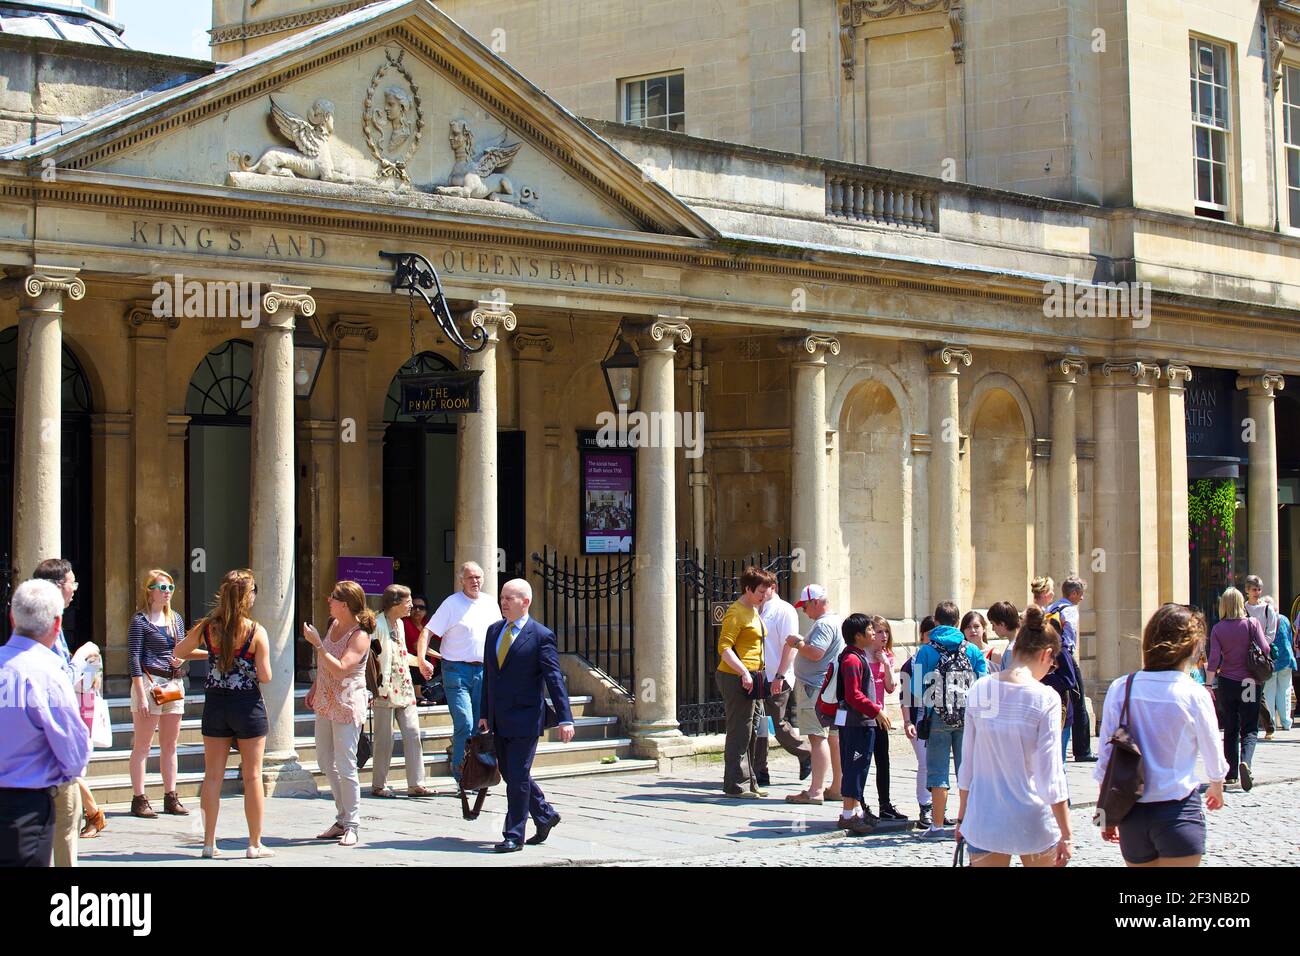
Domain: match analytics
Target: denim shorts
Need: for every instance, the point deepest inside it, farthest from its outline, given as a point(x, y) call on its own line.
point(942, 741)
point(233, 713)
point(1167, 828)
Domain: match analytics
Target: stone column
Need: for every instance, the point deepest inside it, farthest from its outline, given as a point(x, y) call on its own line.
point(1125, 530)
point(272, 517)
point(531, 347)
point(654, 594)
point(1062, 374)
point(38, 439)
point(1261, 483)
point(151, 462)
point(945, 474)
point(476, 448)
point(1171, 484)
point(809, 497)
point(358, 527)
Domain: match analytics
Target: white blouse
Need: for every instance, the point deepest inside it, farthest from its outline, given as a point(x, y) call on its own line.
point(1172, 718)
point(1012, 766)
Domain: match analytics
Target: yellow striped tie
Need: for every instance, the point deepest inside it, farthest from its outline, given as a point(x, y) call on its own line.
point(504, 647)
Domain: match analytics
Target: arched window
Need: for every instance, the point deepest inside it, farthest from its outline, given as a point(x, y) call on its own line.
point(422, 364)
point(221, 388)
point(76, 387)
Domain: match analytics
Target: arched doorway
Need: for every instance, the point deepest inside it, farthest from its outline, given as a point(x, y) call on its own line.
point(217, 448)
point(420, 474)
point(76, 481)
point(420, 488)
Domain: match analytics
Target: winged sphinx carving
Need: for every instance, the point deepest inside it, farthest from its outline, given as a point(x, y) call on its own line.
point(477, 177)
point(311, 160)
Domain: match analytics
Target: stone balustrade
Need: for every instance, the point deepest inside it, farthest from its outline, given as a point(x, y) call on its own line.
point(864, 199)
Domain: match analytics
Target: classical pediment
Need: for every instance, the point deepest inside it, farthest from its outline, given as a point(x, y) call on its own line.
point(392, 104)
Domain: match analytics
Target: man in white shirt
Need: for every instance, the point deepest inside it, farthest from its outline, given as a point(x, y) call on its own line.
point(461, 623)
point(780, 621)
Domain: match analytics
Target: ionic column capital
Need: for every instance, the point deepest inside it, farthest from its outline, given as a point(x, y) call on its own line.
point(294, 300)
point(1065, 370)
point(144, 321)
point(948, 359)
point(532, 344)
point(811, 349)
point(1262, 385)
point(662, 333)
point(45, 287)
point(1132, 372)
point(352, 332)
point(1175, 375)
point(493, 316)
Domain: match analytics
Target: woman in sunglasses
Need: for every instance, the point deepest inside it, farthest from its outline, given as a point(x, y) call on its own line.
point(151, 643)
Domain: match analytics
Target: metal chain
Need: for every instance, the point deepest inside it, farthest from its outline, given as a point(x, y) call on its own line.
point(411, 302)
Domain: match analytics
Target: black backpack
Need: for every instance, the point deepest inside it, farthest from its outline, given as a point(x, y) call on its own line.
point(955, 678)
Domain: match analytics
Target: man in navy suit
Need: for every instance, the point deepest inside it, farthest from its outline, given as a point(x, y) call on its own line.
point(521, 666)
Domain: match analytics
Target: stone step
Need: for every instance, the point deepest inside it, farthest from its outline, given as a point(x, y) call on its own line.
point(430, 717)
point(434, 740)
point(553, 760)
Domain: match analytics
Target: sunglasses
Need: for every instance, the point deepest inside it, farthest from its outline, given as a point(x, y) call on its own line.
point(162, 587)
point(422, 607)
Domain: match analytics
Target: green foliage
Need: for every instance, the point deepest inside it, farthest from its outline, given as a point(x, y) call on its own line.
point(1212, 514)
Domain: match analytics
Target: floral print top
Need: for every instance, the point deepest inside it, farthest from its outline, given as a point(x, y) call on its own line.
point(342, 700)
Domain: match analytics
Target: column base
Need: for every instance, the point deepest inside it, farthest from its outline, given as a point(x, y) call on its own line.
point(284, 776)
point(660, 741)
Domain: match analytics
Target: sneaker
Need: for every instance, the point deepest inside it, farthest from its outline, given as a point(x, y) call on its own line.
point(923, 821)
point(935, 833)
point(870, 817)
point(1086, 758)
point(843, 822)
point(949, 823)
point(1247, 781)
point(890, 812)
point(749, 795)
point(759, 792)
point(859, 826)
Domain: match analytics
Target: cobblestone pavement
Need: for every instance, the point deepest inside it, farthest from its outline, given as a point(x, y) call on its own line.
point(678, 818)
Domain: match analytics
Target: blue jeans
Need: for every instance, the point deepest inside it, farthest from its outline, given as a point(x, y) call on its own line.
point(943, 740)
point(464, 684)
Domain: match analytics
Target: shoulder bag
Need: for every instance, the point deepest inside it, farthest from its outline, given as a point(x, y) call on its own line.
point(1259, 662)
point(172, 689)
point(1123, 783)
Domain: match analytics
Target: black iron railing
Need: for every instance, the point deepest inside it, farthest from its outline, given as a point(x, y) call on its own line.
point(709, 585)
point(6, 592)
point(587, 602)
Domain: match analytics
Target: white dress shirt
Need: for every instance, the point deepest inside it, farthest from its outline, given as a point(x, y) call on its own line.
point(1172, 718)
point(781, 620)
point(1012, 766)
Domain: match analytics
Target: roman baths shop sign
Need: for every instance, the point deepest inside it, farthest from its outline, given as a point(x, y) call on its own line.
point(1214, 408)
point(440, 393)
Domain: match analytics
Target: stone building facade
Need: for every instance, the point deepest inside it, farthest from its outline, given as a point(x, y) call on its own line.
point(931, 387)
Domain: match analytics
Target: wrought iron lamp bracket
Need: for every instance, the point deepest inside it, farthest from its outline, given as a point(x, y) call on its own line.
point(415, 275)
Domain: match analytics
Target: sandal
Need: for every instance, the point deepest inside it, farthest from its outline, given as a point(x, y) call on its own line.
point(384, 793)
point(333, 833)
point(349, 838)
point(94, 823)
point(419, 792)
point(803, 798)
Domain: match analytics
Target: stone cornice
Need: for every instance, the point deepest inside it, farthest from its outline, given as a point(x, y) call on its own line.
point(948, 359)
point(860, 11)
point(1265, 384)
point(258, 28)
point(855, 13)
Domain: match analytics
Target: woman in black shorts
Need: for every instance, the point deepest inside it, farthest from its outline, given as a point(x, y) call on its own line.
point(239, 661)
point(1173, 719)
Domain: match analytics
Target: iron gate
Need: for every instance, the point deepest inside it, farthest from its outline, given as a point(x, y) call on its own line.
point(6, 592)
point(587, 602)
point(708, 586)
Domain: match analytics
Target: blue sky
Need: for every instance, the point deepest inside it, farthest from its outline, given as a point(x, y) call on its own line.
point(177, 27)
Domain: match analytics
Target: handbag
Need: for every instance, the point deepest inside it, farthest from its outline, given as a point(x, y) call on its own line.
point(1123, 783)
point(1259, 662)
point(374, 674)
point(478, 771)
point(923, 728)
point(761, 688)
point(364, 747)
point(168, 691)
point(959, 854)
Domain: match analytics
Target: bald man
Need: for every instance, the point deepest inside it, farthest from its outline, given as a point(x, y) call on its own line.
point(521, 668)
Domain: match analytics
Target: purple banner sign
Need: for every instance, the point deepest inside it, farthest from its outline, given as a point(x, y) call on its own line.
point(373, 574)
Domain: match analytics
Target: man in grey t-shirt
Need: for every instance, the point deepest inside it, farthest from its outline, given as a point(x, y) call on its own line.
point(815, 653)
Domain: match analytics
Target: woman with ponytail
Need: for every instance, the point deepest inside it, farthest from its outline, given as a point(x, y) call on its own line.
point(239, 663)
point(338, 698)
point(1172, 719)
point(1014, 798)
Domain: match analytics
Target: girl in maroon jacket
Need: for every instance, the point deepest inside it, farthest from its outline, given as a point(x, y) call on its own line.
point(849, 695)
